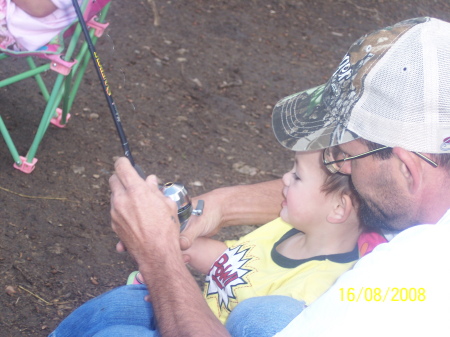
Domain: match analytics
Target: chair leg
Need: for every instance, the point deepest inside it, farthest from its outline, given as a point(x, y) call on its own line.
point(20, 162)
point(25, 166)
point(45, 120)
point(9, 142)
point(58, 120)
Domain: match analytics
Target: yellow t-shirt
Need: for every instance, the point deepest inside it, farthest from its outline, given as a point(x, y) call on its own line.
point(251, 267)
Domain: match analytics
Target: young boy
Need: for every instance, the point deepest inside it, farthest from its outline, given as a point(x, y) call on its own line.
point(300, 254)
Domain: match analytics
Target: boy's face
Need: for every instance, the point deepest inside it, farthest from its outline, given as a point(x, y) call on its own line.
point(305, 204)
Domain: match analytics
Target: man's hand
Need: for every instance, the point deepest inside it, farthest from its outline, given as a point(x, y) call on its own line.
point(141, 215)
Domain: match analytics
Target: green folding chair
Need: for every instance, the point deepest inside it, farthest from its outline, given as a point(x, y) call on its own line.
point(68, 59)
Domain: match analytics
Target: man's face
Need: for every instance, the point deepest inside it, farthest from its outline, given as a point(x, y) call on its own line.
point(385, 204)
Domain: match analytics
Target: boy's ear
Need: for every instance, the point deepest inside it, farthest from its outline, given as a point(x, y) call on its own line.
point(341, 209)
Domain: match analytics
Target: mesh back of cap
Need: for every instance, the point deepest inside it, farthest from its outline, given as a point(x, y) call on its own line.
point(406, 96)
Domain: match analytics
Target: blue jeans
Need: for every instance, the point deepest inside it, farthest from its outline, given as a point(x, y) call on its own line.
point(122, 312)
point(263, 316)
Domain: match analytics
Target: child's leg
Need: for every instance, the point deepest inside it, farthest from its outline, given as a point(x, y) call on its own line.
point(121, 309)
point(263, 316)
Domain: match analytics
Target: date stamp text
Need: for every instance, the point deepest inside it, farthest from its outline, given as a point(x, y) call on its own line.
point(372, 294)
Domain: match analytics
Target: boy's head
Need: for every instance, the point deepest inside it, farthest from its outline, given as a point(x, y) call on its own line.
point(313, 195)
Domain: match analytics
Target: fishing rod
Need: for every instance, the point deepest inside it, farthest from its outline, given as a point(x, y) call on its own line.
point(174, 191)
point(106, 89)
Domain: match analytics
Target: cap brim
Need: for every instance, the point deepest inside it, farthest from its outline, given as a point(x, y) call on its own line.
point(302, 122)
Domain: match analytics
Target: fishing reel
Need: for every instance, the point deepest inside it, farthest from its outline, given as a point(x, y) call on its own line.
point(178, 193)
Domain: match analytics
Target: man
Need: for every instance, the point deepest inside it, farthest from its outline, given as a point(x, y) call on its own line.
point(391, 88)
point(387, 107)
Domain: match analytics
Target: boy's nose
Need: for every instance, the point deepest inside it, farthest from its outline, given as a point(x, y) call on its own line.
point(285, 178)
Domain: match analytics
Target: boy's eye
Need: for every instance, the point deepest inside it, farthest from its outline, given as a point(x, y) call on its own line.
point(296, 177)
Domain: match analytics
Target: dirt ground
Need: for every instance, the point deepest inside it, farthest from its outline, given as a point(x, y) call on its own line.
point(195, 94)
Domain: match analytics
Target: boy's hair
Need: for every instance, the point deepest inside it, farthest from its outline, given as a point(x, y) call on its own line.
point(339, 183)
point(342, 184)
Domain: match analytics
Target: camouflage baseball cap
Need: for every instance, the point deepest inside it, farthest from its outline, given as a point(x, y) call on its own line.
point(392, 88)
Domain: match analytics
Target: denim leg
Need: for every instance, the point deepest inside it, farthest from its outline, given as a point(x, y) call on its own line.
point(119, 312)
point(126, 331)
point(263, 316)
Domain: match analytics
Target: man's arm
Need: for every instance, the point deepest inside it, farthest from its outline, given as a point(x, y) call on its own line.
point(254, 204)
point(147, 225)
point(178, 303)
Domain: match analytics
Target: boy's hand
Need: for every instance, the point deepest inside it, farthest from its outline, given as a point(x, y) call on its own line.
point(208, 224)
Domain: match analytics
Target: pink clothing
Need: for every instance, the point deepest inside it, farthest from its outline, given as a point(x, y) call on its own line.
point(368, 241)
point(30, 32)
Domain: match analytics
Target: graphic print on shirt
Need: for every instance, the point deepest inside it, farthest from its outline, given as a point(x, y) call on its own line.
point(226, 273)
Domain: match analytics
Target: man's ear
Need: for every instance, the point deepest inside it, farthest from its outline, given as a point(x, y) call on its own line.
point(411, 167)
point(341, 209)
